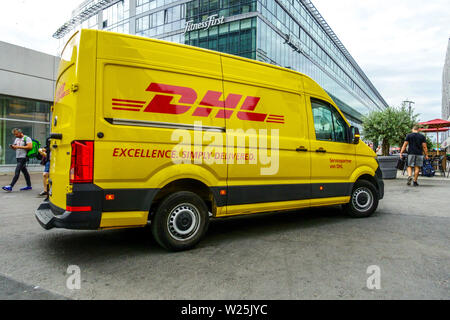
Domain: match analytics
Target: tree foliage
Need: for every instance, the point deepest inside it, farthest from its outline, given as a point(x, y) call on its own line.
point(430, 143)
point(389, 126)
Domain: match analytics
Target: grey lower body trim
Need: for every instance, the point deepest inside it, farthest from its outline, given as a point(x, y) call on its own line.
point(166, 125)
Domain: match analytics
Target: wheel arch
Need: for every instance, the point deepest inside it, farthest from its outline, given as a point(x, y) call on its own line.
point(365, 173)
point(198, 187)
point(369, 178)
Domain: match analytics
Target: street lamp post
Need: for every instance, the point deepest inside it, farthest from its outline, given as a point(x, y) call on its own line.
point(409, 105)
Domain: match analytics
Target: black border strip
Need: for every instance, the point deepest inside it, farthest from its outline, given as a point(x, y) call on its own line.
point(240, 195)
point(128, 199)
point(141, 199)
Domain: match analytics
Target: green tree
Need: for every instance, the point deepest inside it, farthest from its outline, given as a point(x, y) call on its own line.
point(389, 126)
point(430, 143)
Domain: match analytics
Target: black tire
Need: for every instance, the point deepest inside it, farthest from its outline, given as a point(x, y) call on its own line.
point(180, 221)
point(363, 200)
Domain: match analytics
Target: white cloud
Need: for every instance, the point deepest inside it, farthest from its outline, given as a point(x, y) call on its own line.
point(399, 44)
point(31, 23)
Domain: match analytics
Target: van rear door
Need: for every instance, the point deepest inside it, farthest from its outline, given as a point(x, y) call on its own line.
point(62, 116)
point(73, 111)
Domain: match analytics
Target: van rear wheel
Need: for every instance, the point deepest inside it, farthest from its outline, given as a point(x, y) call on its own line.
point(363, 201)
point(180, 221)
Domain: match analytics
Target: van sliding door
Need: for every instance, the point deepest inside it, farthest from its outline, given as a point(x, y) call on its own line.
point(264, 130)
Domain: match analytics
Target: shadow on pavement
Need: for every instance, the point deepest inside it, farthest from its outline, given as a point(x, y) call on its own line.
point(94, 246)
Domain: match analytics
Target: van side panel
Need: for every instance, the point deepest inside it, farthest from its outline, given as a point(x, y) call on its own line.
point(334, 162)
point(271, 108)
point(153, 107)
point(74, 109)
point(158, 117)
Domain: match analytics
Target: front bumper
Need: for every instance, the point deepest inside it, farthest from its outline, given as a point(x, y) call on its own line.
point(50, 216)
point(380, 183)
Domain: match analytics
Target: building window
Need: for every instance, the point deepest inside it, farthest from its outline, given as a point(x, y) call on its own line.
point(29, 115)
point(237, 37)
point(116, 14)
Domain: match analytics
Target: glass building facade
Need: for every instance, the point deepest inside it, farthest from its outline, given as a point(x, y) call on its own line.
point(287, 33)
point(29, 115)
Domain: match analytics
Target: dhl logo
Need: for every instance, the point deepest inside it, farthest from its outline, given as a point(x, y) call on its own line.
point(210, 104)
point(61, 92)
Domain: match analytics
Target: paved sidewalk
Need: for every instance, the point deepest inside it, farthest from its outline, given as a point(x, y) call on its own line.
point(14, 290)
point(309, 254)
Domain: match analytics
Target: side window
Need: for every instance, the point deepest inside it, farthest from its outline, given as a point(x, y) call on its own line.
point(323, 122)
point(340, 127)
point(328, 123)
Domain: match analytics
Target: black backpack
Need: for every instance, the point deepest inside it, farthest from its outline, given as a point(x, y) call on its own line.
point(427, 169)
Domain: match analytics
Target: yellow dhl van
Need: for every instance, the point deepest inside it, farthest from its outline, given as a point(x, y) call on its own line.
point(151, 132)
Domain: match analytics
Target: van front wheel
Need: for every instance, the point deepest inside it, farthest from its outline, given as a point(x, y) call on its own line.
point(363, 200)
point(180, 221)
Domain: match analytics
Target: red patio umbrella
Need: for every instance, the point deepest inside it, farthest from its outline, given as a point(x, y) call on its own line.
point(435, 125)
point(435, 130)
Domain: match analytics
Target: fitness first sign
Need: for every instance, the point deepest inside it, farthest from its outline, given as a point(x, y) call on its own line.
point(213, 20)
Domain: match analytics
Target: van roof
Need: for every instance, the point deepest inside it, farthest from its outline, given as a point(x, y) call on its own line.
point(309, 83)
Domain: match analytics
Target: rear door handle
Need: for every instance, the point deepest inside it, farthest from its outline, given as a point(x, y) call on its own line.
point(301, 149)
point(321, 150)
point(56, 136)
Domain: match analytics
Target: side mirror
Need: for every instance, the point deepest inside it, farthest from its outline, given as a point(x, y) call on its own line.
point(354, 135)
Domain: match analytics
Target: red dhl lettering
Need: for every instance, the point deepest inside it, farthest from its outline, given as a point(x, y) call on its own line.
point(172, 154)
point(61, 93)
point(225, 107)
point(143, 153)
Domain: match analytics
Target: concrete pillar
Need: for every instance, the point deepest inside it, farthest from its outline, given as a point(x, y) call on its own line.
point(132, 17)
point(100, 20)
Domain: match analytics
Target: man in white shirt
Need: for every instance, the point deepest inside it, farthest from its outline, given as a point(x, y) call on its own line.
point(22, 145)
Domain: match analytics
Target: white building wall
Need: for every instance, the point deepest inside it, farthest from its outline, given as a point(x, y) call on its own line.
point(27, 73)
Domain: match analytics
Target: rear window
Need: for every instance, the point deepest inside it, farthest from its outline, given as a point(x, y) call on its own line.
point(67, 54)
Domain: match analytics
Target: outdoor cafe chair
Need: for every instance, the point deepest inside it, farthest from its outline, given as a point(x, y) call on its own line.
point(448, 166)
point(439, 167)
point(437, 163)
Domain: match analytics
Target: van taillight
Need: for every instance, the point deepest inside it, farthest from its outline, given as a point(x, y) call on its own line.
point(82, 162)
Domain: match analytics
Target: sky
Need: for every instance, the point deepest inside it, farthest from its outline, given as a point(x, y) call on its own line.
point(399, 44)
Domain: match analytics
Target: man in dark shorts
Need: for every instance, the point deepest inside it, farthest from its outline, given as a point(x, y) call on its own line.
point(417, 146)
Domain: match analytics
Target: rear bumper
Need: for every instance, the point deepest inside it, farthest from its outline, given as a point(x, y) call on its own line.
point(91, 196)
point(50, 216)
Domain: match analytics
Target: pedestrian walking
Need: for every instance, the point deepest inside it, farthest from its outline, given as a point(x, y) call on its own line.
point(379, 151)
point(22, 145)
point(45, 153)
point(417, 148)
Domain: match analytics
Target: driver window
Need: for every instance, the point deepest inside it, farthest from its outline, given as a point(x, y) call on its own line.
point(340, 127)
point(328, 123)
point(323, 122)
